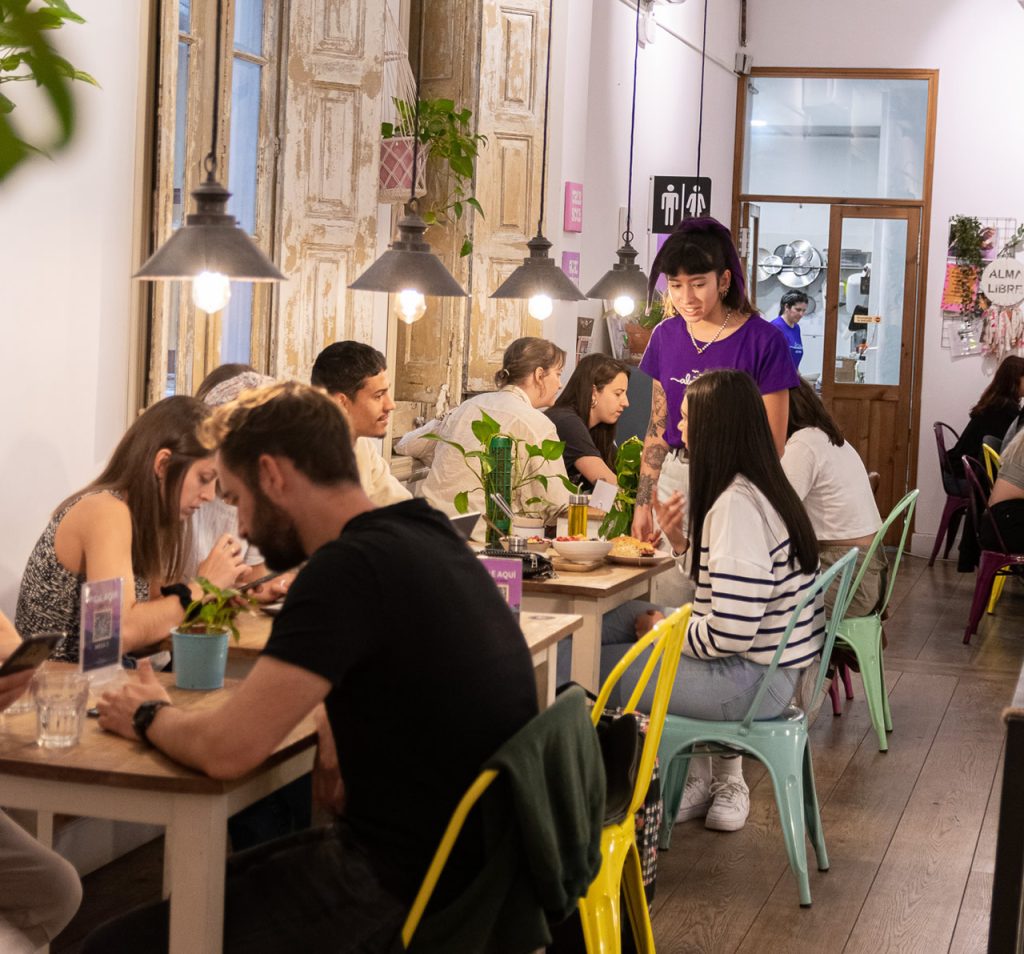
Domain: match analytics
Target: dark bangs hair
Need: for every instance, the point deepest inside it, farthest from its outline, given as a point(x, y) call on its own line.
point(806, 410)
point(593, 371)
point(160, 538)
point(728, 435)
point(1004, 389)
point(696, 253)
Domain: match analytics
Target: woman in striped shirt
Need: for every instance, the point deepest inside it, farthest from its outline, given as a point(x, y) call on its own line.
point(757, 557)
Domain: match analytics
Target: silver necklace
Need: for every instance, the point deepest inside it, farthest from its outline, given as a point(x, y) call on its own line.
point(718, 334)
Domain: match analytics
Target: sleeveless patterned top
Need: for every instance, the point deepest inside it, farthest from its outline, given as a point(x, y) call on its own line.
point(50, 598)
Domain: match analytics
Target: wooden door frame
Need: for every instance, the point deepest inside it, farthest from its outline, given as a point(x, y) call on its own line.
point(924, 203)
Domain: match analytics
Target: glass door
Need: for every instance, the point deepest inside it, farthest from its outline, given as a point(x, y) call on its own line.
point(870, 295)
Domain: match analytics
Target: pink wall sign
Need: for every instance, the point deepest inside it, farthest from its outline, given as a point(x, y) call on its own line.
point(572, 221)
point(571, 265)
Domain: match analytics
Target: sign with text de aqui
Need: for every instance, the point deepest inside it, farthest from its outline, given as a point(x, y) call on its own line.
point(674, 198)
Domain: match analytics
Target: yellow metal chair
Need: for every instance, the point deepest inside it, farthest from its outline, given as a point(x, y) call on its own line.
point(993, 461)
point(620, 873)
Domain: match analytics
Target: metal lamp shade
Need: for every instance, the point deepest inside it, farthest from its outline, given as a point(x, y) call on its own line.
point(625, 277)
point(539, 275)
point(409, 263)
point(210, 241)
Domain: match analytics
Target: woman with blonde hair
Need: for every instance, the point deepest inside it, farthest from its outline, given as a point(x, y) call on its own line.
point(131, 523)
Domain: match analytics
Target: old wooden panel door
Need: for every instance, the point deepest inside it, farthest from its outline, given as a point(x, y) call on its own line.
point(329, 177)
point(868, 369)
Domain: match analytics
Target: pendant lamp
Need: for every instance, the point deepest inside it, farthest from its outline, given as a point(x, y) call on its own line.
point(409, 269)
point(625, 283)
point(539, 279)
point(210, 249)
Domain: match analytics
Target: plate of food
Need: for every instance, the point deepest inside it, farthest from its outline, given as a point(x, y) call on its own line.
point(629, 551)
point(581, 549)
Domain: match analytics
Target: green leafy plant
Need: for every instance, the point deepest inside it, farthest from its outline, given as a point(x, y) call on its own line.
point(28, 56)
point(527, 462)
point(627, 471)
point(654, 317)
point(446, 131)
point(216, 611)
point(966, 244)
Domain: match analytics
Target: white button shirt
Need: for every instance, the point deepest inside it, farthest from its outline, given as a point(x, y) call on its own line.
point(379, 484)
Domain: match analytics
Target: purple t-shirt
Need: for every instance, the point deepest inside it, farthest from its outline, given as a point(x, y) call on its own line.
point(757, 348)
point(792, 335)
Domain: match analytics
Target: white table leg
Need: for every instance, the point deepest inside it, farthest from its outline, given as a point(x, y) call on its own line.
point(195, 841)
point(551, 659)
point(586, 647)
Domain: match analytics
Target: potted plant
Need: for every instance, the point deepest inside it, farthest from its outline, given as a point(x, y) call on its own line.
point(201, 640)
point(627, 470)
point(527, 462)
point(640, 326)
point(445, 134)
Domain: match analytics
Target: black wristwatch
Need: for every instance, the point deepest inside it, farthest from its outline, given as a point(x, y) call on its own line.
point(179, 590)
point(144, 716)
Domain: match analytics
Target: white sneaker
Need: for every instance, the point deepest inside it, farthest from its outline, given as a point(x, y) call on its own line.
point(696, 799)
point(730, 803)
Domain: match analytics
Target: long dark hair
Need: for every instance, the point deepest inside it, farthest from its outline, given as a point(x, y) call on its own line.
point(1003, 390)
point(806, 410)
point(728, 435)
point(593, 371)
point(160, 538)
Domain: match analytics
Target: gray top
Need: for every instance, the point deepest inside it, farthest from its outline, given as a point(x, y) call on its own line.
point(50, 598)
point(1012, 467)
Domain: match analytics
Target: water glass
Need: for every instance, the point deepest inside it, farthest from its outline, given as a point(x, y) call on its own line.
point(60, 699)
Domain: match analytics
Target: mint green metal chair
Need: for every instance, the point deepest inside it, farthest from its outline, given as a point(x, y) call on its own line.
point(780, 744)
point(862, 635)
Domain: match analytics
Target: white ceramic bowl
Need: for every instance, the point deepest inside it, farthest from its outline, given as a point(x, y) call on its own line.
point(582, 551)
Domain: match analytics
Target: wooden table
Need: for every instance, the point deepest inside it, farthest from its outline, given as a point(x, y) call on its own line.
point(106, 776)
point(591, 595)
point(542, 631)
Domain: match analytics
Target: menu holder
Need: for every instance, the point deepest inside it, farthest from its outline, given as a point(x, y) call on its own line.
point(508, 577)
point(99, 650)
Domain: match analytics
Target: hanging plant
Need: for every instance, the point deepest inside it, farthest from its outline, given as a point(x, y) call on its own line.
point(966, 241)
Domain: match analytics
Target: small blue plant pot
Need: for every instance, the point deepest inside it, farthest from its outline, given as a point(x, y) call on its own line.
point(199, 659)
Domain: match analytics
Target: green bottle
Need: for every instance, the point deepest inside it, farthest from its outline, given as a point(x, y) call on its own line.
point(499, 481)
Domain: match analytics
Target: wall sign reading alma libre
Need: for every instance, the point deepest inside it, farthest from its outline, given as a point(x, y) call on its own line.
point(1002, 282)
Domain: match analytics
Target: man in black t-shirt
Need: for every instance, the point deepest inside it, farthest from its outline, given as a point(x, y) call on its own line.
point(398, 629)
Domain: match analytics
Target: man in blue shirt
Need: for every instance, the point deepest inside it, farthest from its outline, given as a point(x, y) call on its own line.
point(791, 309)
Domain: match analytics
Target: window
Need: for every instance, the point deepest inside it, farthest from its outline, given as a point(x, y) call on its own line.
point(186, 343)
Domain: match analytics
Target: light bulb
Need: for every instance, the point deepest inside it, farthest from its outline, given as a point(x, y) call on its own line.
point(411, 305)
point(624, 305)
point(540, 307)
point(210, 291)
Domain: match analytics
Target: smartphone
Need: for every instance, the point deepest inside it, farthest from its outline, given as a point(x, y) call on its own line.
point(31, 653)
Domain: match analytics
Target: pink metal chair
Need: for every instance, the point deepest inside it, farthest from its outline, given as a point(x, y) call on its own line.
point(956, 502)
point(993, 563)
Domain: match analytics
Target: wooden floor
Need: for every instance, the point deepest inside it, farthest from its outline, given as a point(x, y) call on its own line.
point(911, 833)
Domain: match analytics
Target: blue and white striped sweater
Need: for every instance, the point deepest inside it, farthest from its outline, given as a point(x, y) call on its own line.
point(747, 589)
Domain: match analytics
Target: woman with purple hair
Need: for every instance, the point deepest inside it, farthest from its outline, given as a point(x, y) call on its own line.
point(710, 325)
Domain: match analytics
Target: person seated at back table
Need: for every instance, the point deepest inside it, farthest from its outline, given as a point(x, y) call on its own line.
point(528, 380)
point(356, 377)
point(39, 890)
point(1007, 500)
point(396, 626)
point(585, 415)
point(131, 522)
point(216, 518)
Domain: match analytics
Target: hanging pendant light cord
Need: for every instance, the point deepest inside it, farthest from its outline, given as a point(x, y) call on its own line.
point(703, 61)
point(627, 236)
point(210, 162)
point(416, 111)
point(544, 142)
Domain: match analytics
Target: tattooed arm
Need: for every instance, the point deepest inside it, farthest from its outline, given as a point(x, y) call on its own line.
point(655, 452)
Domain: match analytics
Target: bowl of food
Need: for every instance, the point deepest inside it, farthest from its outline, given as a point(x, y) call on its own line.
point(537, 544)
point(581, 549)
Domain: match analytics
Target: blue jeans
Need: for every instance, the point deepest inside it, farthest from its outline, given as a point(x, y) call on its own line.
point(618, 627)
point(711, 689)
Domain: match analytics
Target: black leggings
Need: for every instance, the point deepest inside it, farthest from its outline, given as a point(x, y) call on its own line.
point(1009, 519)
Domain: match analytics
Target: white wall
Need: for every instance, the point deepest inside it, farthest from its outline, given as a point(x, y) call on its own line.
point(978, 149)
point(65, 290)
point(594, 43)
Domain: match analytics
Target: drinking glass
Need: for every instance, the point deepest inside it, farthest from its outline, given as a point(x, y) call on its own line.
point(60, 699)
